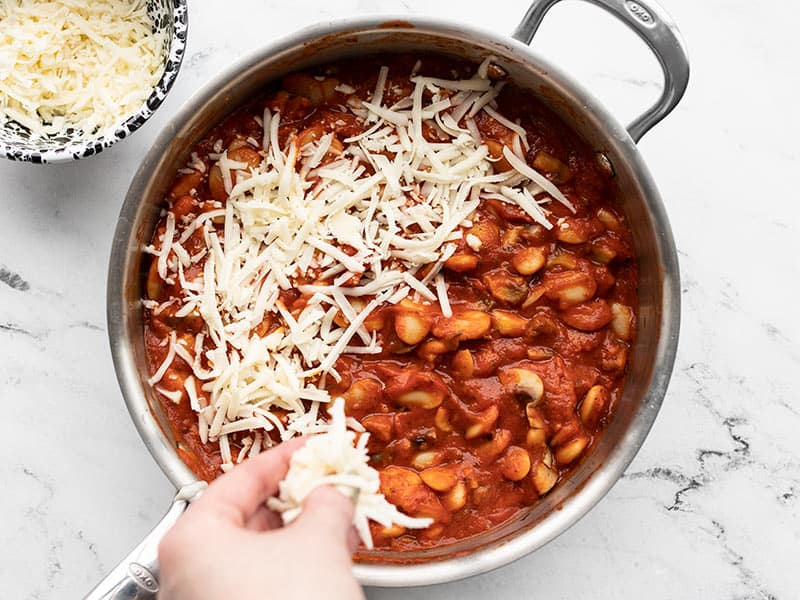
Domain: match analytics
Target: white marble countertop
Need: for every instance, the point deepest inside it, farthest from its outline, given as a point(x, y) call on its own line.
point(710, 508)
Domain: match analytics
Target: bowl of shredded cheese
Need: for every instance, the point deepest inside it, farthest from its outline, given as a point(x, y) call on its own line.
point(76, 76)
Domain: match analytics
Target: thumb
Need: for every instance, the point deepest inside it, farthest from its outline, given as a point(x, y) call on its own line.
point(328, 516)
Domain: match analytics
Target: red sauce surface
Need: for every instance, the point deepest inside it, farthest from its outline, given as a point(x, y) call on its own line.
point(473, 447)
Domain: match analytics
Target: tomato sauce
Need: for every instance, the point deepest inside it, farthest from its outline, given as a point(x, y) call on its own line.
point(474, 417)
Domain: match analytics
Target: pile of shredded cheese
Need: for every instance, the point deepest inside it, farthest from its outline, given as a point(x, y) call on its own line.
point(351, 231)
point(335, 458)
point(285, 226)
point(84, 65)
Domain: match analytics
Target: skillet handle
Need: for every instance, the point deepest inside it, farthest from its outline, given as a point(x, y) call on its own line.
point(659, 32)
point(136, 577)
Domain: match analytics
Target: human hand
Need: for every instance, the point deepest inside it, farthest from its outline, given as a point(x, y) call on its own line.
point(228, 544)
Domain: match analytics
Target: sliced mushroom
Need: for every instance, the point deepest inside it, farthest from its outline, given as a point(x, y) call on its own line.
point(523, 381)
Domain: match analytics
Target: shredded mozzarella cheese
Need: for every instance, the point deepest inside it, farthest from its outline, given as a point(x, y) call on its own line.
point(76, 64)
point(350, 232)
point(334, 457)
point(298, 222)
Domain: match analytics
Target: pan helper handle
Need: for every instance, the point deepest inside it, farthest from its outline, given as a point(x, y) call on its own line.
point(651, 23)
point(136, 577)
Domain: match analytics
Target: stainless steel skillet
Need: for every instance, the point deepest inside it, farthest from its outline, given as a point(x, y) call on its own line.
point(659, 310)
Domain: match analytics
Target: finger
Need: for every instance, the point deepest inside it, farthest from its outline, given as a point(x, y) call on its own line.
point(353, 539)
point(264, 519)
point(327, 515)
point(239, 493)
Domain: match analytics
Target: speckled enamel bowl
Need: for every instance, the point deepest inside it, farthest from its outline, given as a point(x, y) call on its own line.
point(16, 143)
